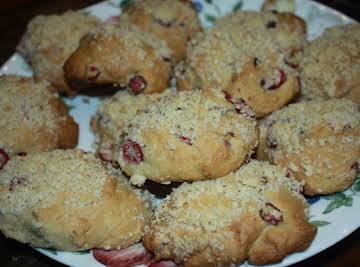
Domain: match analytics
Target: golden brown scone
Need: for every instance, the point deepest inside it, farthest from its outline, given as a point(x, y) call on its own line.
point(237, 42)
point(264, 87)
point(49, 41)
point(279, 5)
point(33, 117)
point(121, 55)
point(319, 143)
point(330, 66)
point(112, 116)
point(186, 137)
point(67, 200)
point(174, 21)
point(256, 213)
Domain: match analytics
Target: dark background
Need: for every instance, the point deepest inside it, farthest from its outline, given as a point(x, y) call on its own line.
point(14, 16)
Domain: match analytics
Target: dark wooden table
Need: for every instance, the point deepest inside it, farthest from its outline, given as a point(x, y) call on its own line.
point(14, 16)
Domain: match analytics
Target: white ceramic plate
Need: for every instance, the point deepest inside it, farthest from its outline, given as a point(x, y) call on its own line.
point(336, 216)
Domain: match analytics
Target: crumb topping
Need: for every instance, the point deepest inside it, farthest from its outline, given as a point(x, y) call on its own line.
point(49, 40)
point(135, 41)
point(115, 111)
point(330, 71)
point(236, 39)
point(27, 103)
point(77, 174)
point(183, 115)
point(293, 127)
point(209, 206)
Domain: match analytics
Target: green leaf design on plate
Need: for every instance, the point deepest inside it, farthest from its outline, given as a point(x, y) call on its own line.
point(210, 18)
point(337, 196)
point(50, 250)
point(209, 1)
point(356, 186)
point(125, 3)
point(319, 223)
point(238, 6)
point(338, 200)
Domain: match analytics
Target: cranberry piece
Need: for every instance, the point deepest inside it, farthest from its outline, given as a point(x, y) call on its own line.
point(228, 97)
point(271, 214)
point(227, 144)
point(93, 73)
point(105, 152)
point(132, 152)
point(242, 108)
point(291, 64)
point(280, 79)
point(289, 173)
point(137, 84)
point(271, 142)
point(15, 182)
point(186, 140)
point(355, 167)
point(4, 157)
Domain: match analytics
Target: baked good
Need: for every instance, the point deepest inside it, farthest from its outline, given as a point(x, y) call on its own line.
point(330, 66)
point(244, 37)
point(112, 116)
point(186, 137)
point(319, 143)
point(48, 42)
point(174, 21)
point(33, 117)
point(256, 213)
point(120, 55)
point(67, 200)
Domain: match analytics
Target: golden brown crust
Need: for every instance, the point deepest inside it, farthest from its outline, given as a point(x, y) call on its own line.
point(330, 66)
point(173, 21)
point(69, 201)
point(222, 51)
point(49, 41)
point(34, 118)
point(318, 141)
point(116, 54)
point(255, 213)
point(182, 137)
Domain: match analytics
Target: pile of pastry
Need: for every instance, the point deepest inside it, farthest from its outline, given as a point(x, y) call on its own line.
point(260, 118)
